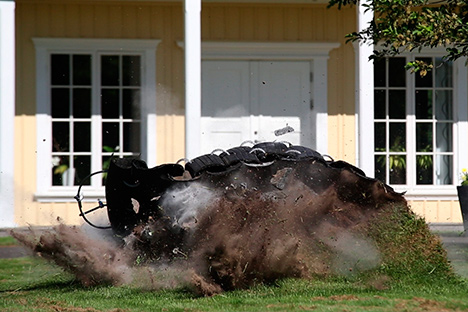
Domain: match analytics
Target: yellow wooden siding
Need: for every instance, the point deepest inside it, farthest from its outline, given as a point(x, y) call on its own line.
point(164, 21)
point(438, 211)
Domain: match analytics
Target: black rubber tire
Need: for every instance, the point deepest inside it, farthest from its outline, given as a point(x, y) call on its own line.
point(269, 151)
point(210, 162)
point(129, 179)
point(305, 153)
point(240, 153)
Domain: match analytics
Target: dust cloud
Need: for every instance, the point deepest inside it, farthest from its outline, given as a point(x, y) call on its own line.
point(214, 239)
point(92, 261)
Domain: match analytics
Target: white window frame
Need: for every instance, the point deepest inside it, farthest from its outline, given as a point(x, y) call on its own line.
point(45, 192)
point(317, 53)
point(460, 133)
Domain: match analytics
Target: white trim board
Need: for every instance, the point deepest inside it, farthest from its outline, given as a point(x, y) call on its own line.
point(79, 44)
point(230, 50)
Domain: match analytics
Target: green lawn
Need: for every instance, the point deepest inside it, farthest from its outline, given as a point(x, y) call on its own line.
point(30, 284)
point(7, 241)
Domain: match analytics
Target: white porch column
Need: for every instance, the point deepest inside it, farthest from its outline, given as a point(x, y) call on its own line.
point(7, 112)
point(192, 11)
point(365, 98)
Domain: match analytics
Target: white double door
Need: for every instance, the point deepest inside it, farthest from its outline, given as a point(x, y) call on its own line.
point(249, 100)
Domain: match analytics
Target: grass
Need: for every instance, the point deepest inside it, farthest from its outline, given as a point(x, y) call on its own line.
point(30, 284)
point(7, 241)
point(414, 276)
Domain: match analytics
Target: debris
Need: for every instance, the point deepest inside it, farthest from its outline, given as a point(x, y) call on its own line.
point(136, 205)
point(284, 130)
point(280, 177)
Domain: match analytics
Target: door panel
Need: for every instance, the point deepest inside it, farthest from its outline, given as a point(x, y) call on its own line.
point(225, 104)
point(284, 100)
point(225, 89)
point(223, 132)
point(249, 100)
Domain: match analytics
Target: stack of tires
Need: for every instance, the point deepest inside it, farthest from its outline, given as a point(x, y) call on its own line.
point(260, 154)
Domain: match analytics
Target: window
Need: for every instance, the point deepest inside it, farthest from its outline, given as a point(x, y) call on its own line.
point(415, 120)
point(71, 108)
point(95, 101)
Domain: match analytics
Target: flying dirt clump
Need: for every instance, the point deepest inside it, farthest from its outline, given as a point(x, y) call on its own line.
point(253, 221)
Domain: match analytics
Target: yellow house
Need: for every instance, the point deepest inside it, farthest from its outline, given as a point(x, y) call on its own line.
point(126, 77)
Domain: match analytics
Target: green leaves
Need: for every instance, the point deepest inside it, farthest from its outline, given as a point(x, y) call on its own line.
point(419, 66)
point(407, 25)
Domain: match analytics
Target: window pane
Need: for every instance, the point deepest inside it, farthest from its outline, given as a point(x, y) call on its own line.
point(60, 98)
point(424, 104)
point(82, 70)
point(397, 169)
point(110, 135)
point(131, 69)
point(443, 73)
point(110, 103)
point(397, 72)
point(82, 169)
point(60, 69)
point(379, 104)
point(110, 70)
point(60, 170)
point(131, 137)
point(397, 104)
point(424, 137)
point(425, 81)
point(443, 105)
point(60, 136)
point(397, 137)
point(380, 168)
point(82, 136)
point(444, 169)
point(424, 169)
point(131, 104)
point(444, 137)
point(379, 72)
point(380, 134)
point(82, 103)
